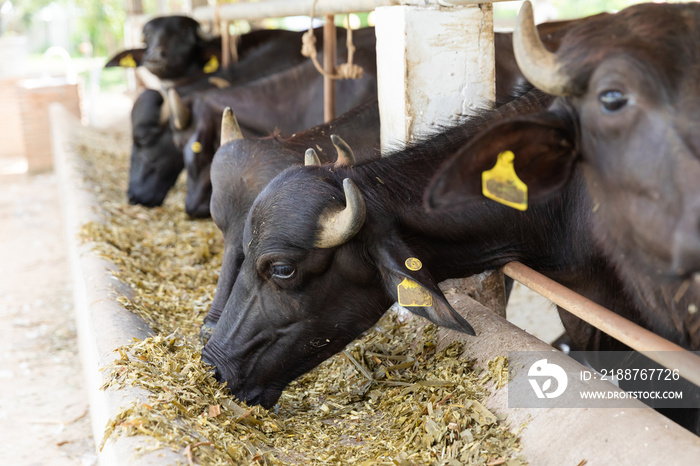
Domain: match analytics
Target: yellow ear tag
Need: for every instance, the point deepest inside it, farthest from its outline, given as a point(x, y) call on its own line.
point(212, 65)
point(196, 147)
point(413, 264)
point(411, 294)
point(502, 184)
point(128, 61)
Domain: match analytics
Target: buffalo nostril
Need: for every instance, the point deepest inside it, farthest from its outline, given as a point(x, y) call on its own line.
point(207, 360)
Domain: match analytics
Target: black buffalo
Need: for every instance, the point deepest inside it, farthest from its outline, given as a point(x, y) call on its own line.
point(625, 116)
point(288, 101)
point(325, 248)
point(155, 162)
point(621, 133)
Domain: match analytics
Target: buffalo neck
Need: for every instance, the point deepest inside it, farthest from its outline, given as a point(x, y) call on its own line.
point(251, 101)
point(358, 127)
point(552, 236)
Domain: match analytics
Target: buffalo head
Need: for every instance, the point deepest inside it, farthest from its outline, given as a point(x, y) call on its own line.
point(155, 161)
point(318, 270)
point(240, 170)
point(627, 109)
point(198, 161)
point(243, 167)
point(175, 48)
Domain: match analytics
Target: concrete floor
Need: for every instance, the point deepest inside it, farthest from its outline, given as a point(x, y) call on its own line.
point(43, 404)
point(44, 413)
point(534, 314)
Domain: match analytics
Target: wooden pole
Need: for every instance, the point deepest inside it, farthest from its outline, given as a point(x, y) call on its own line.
point(134, 7)
point(132, 37)
point(329, 45)
point(654, 347)
point(225, 45)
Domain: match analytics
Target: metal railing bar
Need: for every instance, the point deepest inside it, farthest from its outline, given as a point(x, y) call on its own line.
point(281, 8)
point(638, 338)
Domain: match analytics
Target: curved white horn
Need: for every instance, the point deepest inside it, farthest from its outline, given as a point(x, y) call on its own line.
point(164, 109)
point(346, 157)
point(180, 113)
point(220, 83)
point(230, 131)
point(337, 226)
point(311, 158)
point(538, 65)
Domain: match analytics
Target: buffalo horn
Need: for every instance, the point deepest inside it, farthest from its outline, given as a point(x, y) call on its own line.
point(337, 226)
point(346, 157)
point(230, 131)
point(538, 65)
point(311, 158)
point(164, 110)
point(181, 114)
point(220, 83)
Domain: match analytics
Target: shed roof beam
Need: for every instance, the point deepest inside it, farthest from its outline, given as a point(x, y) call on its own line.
point(280, 8)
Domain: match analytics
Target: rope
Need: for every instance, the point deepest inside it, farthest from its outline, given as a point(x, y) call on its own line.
point(346, 70)
point(229, 43)
point(234, 40)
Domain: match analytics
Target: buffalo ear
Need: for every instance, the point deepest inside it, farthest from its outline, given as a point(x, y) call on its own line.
point(403, 273)
point(210, 54)
point(130, 58)
point(544, 149)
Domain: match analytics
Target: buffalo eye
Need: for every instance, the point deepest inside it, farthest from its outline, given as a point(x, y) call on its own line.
point(282, 271)
point(144, 138)
point(612, 100)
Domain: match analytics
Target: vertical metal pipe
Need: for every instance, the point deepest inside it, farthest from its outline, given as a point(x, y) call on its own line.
point(329, 45)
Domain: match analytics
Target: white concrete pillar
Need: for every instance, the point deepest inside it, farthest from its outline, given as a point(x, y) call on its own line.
point(434, 64)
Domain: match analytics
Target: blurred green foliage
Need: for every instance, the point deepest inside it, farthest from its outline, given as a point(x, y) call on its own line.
point(97, 25)
point(102, 23)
